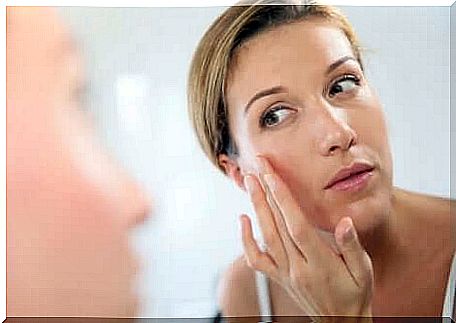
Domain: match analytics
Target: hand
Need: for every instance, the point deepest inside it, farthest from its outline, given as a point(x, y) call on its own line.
point(322, 282)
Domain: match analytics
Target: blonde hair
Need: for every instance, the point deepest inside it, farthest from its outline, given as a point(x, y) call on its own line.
point(213, 60)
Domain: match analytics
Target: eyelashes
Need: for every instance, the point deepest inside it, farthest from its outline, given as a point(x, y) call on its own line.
point(346, 83)
point(274, 116)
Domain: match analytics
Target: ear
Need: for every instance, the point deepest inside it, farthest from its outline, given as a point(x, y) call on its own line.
point(232, 169)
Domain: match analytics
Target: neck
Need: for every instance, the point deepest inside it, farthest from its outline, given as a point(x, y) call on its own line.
point(384, 241)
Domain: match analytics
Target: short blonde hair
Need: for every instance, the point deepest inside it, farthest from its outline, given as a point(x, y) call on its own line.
point(213, 60)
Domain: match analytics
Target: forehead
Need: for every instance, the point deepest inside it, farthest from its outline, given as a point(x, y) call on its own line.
point(289, 52)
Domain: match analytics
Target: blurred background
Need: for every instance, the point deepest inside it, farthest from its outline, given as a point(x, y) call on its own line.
point(136, 68)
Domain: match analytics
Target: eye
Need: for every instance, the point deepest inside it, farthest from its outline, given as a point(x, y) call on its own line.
point(274, 116)
point(346, 83)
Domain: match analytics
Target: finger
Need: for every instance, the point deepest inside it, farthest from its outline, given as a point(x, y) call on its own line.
point(256, 258)
point(302, 233)
point(265, 168)
point(266, 221)
point(295, 255)
point(356, 258)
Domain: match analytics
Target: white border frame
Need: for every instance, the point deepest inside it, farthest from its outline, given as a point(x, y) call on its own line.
point(120, 3)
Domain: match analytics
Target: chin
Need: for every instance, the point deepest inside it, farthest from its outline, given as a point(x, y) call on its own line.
point(371, 212)
point(367, 213)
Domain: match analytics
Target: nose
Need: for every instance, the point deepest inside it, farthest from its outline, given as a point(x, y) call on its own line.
point(335, 133)
point(129, 196)
point(141, 204)
point(122, 193)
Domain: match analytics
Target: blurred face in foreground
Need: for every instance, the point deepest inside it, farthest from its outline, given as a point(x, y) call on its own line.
point(69, 206)
point(297, 96)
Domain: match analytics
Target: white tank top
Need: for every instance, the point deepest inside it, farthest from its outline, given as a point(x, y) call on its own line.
point(264, 300)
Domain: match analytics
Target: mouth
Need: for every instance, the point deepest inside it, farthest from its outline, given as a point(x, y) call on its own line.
point(351, 178)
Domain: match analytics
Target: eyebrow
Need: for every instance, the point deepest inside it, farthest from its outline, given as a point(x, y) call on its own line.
point(263, 93)
point(339, 62)
point(281, 89)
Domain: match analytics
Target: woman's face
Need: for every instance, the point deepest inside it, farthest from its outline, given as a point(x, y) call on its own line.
point(69, 205)
point(297, 96)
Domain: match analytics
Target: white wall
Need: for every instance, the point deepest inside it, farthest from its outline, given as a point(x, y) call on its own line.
point(137, 61)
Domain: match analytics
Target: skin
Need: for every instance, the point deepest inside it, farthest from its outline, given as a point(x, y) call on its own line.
point(326, 124)
point(69, 204)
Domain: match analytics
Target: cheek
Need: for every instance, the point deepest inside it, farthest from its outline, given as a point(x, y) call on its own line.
point(304, 177)
point(293, 162)
point(290, 152)
point(66, 225)
point(63, 232)
point(370, 126)
point(371, 129)
point(368, 120)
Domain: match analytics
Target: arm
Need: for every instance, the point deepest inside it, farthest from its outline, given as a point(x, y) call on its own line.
point(237, 296)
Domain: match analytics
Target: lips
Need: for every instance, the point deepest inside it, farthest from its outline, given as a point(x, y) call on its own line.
point(351, 175)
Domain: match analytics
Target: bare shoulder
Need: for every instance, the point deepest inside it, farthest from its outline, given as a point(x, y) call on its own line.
point(434, 217)
point(441, 221)
point(439, 210)
point(238, 295)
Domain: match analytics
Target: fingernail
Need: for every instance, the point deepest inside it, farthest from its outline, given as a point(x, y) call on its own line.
point(263, 246)
point(241, 222)
point(270, 181)
point(261, 165)
point(248, 182)
point(349, 233)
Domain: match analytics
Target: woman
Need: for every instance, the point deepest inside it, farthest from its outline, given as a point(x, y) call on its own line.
point(70, 206)
point(280, 103)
